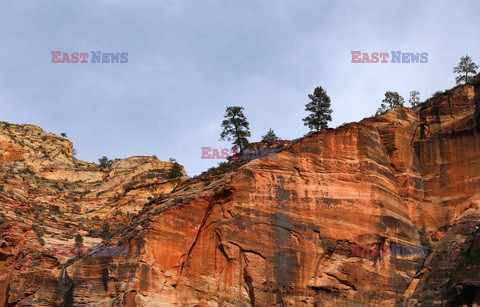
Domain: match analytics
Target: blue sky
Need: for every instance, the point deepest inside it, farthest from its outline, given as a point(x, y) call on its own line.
point(188, 60)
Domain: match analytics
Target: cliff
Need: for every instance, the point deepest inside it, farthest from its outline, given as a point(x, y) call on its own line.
point(266, 232)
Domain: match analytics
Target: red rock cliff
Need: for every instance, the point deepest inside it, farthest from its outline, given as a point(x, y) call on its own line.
point(273, 232)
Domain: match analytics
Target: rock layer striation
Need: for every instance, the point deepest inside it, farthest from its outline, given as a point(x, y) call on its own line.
point(265, 232)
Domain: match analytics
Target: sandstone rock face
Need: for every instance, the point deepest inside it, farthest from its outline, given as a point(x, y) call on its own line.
point(266, 232)
point(47, 196)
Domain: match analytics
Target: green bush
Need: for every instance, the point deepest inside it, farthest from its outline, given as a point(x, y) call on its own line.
point(270, 136)
point(26, 170)
point(151, 200)
point(175, 171)
point(177, 201)
point(105, 162)
point(423, 239)
point(39, 233)
point(105, 234)
point(93, 233)
point(54, 208)
point(78, 240)
point(427, 298)
point(225, 166)
point(437, 94)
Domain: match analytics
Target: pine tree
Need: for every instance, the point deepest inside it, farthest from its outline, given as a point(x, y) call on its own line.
point(320, 110)
point(270, 136)
point(235, 128)
point(465, 66)
point(391, 100)
point(104, 162)
point(175, 171)
point(414, 99)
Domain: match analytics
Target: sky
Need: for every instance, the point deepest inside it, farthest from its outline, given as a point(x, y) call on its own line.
point(189, 60)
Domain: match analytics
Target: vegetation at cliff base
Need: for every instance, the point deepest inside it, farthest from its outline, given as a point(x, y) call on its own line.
point(105, 234)
point(78, 240)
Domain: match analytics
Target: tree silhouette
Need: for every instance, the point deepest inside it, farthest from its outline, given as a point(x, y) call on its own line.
point(270, 136)
point(105, 162)
point(391, 100)
point(465, 67)
point(176, 170)
point(320, 110)
point(78, 240)
point(414, 99)
point(235, 128)
point(105, 234)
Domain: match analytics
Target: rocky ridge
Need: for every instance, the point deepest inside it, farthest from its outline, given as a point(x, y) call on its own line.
point(266, 232)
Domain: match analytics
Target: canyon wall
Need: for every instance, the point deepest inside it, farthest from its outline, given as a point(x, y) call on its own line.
point(265, 232)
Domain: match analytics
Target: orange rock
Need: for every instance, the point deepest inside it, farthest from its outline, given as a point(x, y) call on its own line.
point(263, 232)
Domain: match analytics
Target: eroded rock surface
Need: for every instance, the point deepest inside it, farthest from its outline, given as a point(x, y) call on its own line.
point(275, 232)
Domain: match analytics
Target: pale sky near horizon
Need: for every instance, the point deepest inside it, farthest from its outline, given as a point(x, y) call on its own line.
point(188, 61)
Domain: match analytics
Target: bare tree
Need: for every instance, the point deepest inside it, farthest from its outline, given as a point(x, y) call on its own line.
point(414, 99)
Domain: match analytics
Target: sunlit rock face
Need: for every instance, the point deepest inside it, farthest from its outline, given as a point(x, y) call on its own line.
point(263, 232)
point(47, 196)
